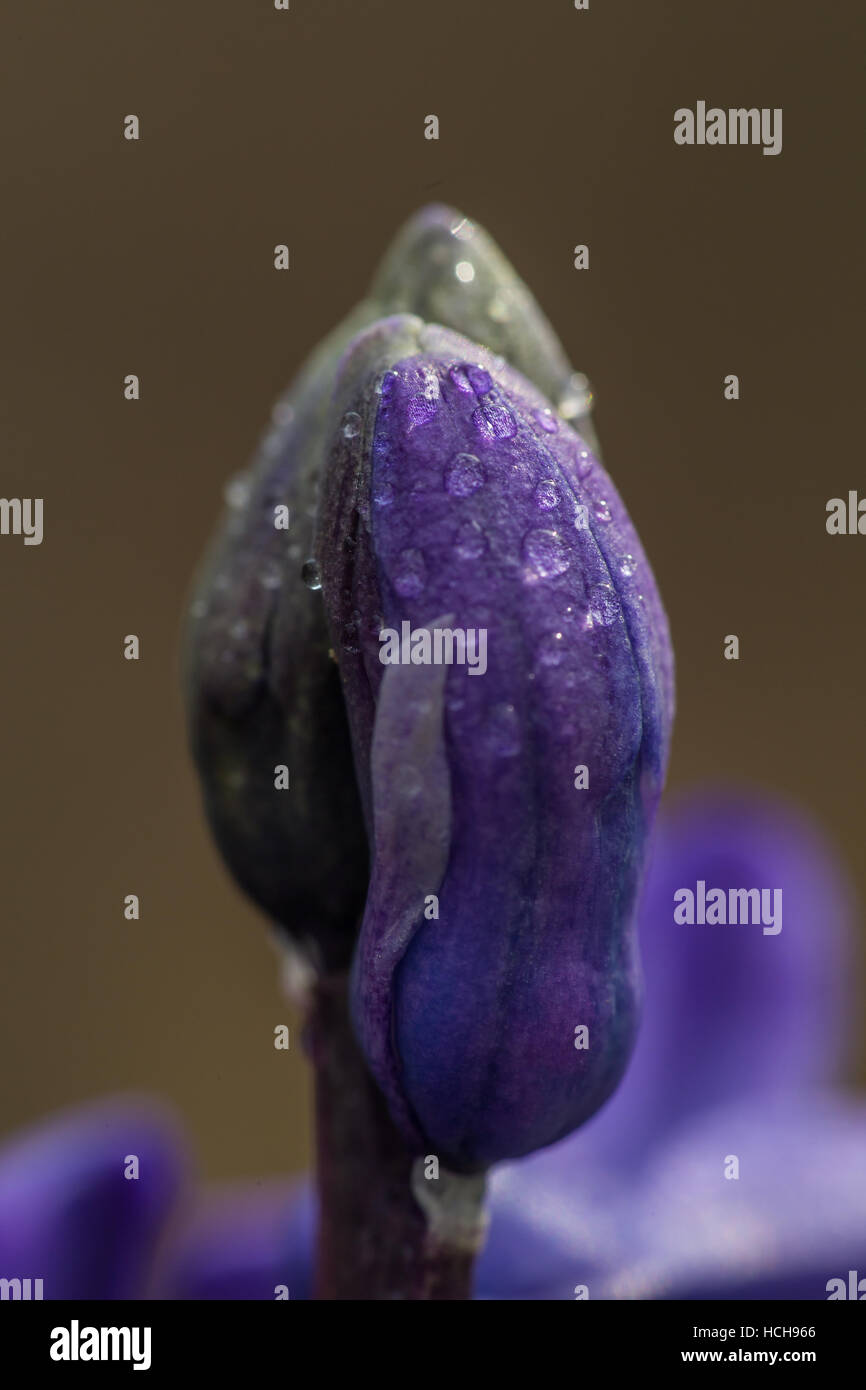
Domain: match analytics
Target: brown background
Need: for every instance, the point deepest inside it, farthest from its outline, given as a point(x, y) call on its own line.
point(259, 127)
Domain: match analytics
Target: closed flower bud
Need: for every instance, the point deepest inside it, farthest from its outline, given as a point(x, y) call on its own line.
point(263, 692)
point(507, 674)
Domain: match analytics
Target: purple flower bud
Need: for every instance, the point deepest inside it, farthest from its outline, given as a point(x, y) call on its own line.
point(508, 796)
point(262, 687)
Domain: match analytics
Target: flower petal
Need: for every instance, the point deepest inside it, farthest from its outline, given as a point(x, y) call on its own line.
point(245, 1242)
point(68, 1213)
point(730, 1012)
point(461, 496)
point(791, 1221)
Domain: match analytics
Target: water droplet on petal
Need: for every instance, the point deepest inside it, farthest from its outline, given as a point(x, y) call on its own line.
point(351, 424)
point(310, 575)
point(479, 380)
point(429, 384)
point(463, 230)
point(627, 566)
point(584, 463)
point(547, 495)
point(601, 508)
point(546, 419)
point(465, 272)
point(494, 422)
point(460, 379)
point(603, 606)
point(385, 380)
point(546, 553)
point(464, 475)
point(411, 574)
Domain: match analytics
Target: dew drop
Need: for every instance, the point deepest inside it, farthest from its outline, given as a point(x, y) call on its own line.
point(429, 384)
point(603, 607)
point(546, 553)
point(584, 463)
point(411, 574)
point(351, 424)
point(627, 566)
point(464, 475)
point(494, 422)
point(310, 575)
point(546, 419)
point(465, 272)
point(601, 508)
point(479, 380)
point(546, 495)
point(460, 379)
point(463, 230)
point(385, 380)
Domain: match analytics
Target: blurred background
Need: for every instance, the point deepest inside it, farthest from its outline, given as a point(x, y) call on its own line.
point(156, 258)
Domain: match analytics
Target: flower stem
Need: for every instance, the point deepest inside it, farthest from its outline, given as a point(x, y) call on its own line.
point(376, 1240)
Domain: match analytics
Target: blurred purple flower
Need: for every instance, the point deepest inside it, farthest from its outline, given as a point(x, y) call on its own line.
point(741, 1036)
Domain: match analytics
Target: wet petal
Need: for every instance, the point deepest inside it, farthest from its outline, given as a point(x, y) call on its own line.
point(438, 488)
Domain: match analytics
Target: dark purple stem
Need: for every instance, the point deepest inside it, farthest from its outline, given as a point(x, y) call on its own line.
point(374, 1240)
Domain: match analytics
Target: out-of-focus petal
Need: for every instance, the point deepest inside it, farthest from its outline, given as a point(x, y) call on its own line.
point(794, 1219)
point(70, 1217)
point(554, 1225)
point(729, 1011)
point(245, 1243)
